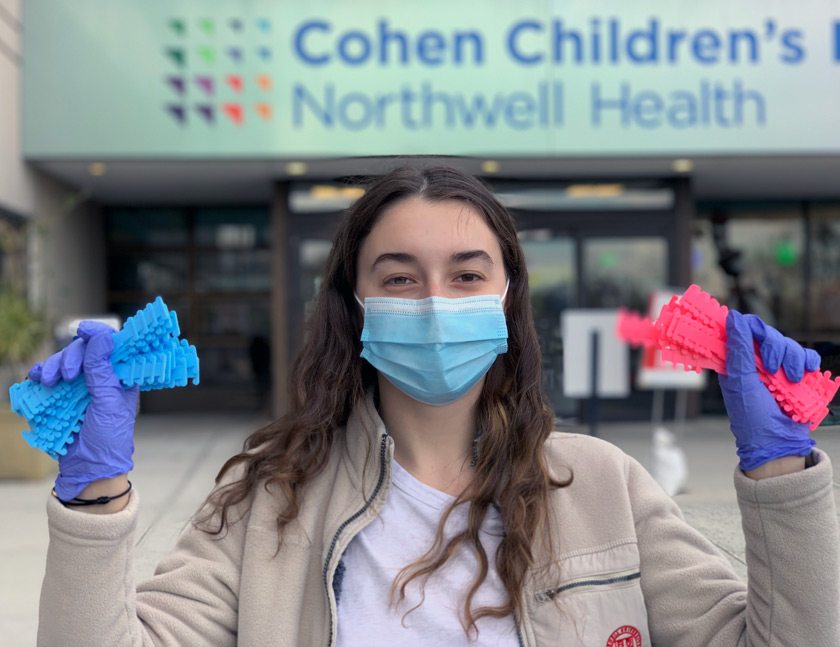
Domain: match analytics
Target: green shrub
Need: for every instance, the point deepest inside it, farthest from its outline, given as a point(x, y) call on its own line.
point(21, 329)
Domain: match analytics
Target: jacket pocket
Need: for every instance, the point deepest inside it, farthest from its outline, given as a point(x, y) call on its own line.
point(591, 599)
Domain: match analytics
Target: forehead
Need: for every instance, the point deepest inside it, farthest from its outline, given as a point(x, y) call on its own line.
point(415, 223)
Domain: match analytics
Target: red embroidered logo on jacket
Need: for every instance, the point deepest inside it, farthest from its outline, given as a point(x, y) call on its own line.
point(625, 636)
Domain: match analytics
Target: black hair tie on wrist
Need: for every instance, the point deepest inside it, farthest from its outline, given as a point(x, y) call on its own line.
point(101, 500)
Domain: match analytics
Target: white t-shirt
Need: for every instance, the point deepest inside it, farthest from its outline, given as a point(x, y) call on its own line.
point(403, 532)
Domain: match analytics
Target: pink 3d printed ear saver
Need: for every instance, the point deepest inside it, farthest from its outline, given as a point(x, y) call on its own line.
point(147, 353)
point(691, 330)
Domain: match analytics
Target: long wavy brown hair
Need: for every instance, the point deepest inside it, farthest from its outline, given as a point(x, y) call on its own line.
point(329, 379)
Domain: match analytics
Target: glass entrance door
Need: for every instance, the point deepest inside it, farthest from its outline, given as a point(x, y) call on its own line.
point(604, 257)
point(585, 267)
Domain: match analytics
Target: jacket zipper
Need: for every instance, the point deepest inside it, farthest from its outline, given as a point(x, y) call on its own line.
point(519, 637)
point(347, 522)
point(547, 596)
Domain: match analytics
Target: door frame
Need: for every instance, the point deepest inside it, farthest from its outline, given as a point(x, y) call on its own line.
point(580, 226)
point(302, 226)
point(673, 224)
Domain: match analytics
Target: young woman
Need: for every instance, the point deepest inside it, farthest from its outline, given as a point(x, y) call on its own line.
point(416, 493)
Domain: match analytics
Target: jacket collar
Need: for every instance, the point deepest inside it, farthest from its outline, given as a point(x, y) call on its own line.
point(363, 437)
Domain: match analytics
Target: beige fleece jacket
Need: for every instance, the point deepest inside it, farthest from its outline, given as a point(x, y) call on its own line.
point(627, 570)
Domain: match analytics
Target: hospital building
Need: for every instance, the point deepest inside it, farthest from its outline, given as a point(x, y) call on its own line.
point(205, 151)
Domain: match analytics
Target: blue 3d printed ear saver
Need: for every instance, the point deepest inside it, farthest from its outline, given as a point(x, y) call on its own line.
point(148, 353)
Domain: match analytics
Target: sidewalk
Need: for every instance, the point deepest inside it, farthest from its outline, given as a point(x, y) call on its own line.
point(178, 456)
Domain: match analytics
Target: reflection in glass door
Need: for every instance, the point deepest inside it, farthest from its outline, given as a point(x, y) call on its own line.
point(623, 271)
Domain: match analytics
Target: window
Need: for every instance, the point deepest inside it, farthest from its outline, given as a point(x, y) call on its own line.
point(12, 253)
point(824, 302)
point(752, 259)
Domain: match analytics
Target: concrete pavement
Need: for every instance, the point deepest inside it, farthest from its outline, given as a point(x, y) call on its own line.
point(178, 456)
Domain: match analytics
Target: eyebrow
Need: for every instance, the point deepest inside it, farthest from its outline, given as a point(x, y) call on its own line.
point(457, 257)
point(471, 255)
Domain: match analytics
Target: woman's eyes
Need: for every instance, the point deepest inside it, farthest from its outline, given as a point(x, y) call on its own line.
point(466, 277)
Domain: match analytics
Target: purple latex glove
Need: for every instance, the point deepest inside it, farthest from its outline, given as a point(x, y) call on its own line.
point(105, 444)
point(763, 432)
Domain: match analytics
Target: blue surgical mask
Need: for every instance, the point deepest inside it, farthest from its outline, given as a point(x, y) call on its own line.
point(434, 349)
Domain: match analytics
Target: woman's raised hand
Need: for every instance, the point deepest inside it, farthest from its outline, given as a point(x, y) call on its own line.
point(105, 444)
point(763, 432)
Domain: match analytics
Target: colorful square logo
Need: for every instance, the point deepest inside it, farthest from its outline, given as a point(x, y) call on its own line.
point(219, 71)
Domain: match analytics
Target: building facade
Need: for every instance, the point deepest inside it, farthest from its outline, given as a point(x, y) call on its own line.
point(205, 152)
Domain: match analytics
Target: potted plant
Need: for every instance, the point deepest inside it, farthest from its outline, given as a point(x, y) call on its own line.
point(22, 333)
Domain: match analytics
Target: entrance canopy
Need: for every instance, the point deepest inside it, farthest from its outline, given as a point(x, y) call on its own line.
point(663, 85)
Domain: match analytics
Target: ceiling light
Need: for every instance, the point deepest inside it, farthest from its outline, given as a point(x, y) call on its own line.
point(330, 192)
point(97, 169)
point(490, 166)
point(296, 168)
point(594, 190)
point(353, 192)
point(323, 191)
point(682, 165)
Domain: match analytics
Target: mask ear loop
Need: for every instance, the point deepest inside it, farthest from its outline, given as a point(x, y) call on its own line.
point(358, 300)
point(504, 294)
